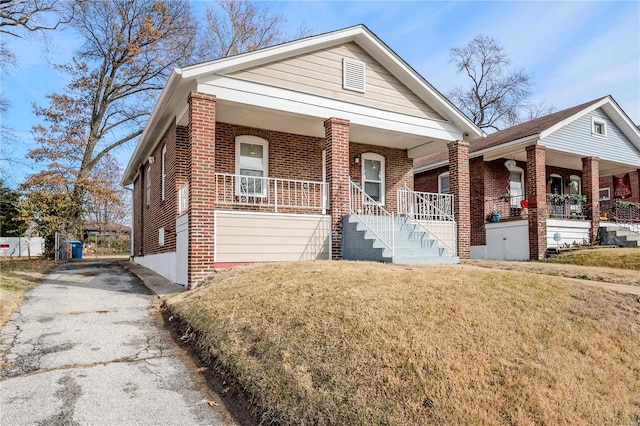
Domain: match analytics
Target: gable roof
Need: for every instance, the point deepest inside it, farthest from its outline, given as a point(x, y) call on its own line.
point(182, 80)
point(539, 128)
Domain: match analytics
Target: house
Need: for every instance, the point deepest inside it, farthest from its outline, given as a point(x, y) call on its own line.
point(298, 151)
point(565, 178)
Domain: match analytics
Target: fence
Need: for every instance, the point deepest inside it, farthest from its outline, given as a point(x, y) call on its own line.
point(21, 246)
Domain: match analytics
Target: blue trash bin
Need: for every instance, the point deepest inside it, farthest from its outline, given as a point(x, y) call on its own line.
point(76, 249)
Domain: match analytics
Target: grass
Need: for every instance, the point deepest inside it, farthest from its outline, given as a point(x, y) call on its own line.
point(16, 277)
point(619, 258)
point(359, 343)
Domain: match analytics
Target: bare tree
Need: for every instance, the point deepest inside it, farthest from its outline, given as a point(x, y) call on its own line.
point(32, 15)
point(232, 27)
point(130, 47)
point(497, 96)
point(106, 204)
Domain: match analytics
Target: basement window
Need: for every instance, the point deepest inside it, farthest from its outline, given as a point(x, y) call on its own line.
point(353, 75)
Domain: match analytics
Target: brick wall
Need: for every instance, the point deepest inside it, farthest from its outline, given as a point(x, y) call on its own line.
point(337, 146)
point(477, 213)
point(634, 177)
point(201, 131)
point(398, 170)
point(590, 188)
point(460, 188)
point(161, 213)
point(536, 195)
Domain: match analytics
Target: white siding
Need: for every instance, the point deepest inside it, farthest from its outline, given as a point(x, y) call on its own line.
point(571, 231)
point(320, 74)
point(267, 237)
point(22, 246)
point(576, 138)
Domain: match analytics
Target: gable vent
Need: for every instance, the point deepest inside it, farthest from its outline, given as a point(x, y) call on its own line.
point(353, 73)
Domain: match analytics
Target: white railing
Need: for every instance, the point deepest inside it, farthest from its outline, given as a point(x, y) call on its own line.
point(425, 206)
point(433, 213)
point(272, 193)
point(375, 218)
point(183, 198)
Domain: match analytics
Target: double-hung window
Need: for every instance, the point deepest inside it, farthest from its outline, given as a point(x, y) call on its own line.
point(443, 183)
point(516, 187)
point(252, 166)
point(373, 176)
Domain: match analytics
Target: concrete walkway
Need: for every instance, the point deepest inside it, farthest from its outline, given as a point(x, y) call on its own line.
point(84, 349)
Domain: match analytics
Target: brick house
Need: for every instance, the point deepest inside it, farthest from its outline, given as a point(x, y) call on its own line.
point(565, 178)
point(298, 151)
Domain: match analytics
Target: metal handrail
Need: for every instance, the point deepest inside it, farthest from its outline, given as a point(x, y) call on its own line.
point(372, 215)
point(414, 205)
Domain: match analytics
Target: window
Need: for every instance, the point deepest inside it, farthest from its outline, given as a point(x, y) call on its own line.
point(160, 237)
point(443, 183)
point(252, 165)
point(598, 127)
point(604, 194)
point(557, 186)
point(164, 170)
point(373, 176)
point(353, 75)
point(516, 186)
point(148, 184)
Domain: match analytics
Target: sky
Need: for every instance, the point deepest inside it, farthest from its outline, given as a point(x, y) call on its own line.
point(575, 51)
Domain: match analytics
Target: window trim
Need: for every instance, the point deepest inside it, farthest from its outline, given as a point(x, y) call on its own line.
point(513, 201)
point(163, 163)
point(253, 140)
point(372, 156)
point(604, 198)
point(148, 184)
point(440, 177)
point(603, 123)
point(575, 178)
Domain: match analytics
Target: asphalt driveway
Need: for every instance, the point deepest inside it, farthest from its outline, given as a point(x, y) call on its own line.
point(84, 349)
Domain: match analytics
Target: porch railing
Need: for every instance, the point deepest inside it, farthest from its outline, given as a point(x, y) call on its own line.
point(567, 206)
point(622, 212)
point(271, 193)
point(425, 205)
point(375, 217)
point(434, 213)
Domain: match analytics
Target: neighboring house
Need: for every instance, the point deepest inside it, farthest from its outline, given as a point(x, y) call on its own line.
point(299, 151)
point(548, 182)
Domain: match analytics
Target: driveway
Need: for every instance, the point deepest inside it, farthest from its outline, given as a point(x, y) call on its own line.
point(84, 349)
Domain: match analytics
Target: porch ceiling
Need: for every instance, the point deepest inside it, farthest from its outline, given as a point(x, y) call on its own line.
point(297, 123)
point(560, 159)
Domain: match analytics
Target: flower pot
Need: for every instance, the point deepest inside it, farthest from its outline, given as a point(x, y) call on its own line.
point(495, 217)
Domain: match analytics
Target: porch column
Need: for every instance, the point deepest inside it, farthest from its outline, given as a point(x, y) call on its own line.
point(459, 188)
point(201, 172)
point(591, 187)
point(336, 132)
point(537, 197)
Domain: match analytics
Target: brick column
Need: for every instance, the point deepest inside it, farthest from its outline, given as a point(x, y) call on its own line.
point(537, 197)
point(459, 187)
point(202, 133)
point(336, 132)
point(591, 188)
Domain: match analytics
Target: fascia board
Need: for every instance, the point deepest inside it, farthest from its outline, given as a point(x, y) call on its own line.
point(270, 97)
point(523, 142)
point(573, 118)
point(415, 82)
point(272, 54)
point(167, 93)
point(431, 166)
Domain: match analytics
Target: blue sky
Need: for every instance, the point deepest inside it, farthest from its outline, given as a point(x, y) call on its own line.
point(575, 51)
